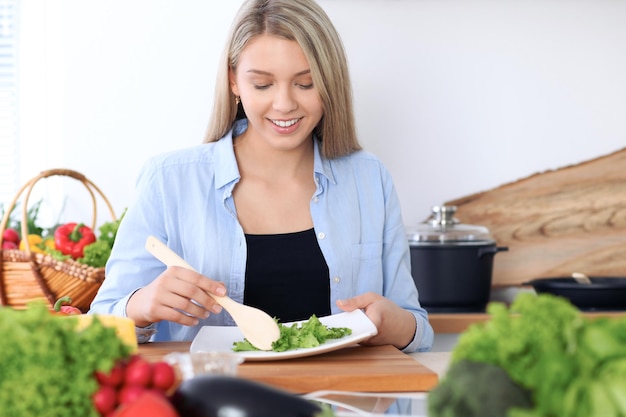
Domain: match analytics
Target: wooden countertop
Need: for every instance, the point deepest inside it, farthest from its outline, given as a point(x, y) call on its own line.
point(459, 322)
point(358, 368)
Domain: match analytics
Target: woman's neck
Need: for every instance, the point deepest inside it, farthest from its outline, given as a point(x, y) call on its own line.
point(255, 157)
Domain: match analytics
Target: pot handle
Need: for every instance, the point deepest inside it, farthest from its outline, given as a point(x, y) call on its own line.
point(491, 249)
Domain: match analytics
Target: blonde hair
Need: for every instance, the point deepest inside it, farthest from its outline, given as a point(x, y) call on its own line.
point(305, 22)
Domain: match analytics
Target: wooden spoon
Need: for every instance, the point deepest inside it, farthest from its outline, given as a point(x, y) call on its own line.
point(257, 326)
point(581, 278)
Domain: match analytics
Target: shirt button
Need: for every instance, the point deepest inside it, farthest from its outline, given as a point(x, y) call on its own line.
point(336, 280)
point(321, 235)
point(316, 199)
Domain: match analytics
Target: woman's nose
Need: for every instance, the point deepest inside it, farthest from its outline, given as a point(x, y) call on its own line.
point(284, 100)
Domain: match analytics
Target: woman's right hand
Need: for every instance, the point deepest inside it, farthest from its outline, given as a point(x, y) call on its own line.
point(169, 297)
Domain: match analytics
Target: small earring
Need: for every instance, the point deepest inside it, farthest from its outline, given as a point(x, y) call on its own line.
point(237, 100)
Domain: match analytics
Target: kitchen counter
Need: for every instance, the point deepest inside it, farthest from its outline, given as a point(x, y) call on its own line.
point(459, 322)
point(436, 361)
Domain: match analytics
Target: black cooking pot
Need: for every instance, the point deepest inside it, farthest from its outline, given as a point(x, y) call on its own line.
point(452, 263)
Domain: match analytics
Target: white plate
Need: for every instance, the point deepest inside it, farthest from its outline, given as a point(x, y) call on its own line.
point(221, 338)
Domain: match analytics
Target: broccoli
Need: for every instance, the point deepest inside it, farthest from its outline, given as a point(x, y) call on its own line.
point(310, 333)
point(475, 389)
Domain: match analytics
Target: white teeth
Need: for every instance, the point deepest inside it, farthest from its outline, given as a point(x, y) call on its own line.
point(283, 123)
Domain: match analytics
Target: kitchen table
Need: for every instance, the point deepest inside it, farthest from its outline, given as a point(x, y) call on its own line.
point(356, 368)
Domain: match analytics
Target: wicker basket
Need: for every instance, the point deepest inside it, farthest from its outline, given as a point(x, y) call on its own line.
point(26, 276)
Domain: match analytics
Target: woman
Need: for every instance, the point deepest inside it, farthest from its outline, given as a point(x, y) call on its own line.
point(280, 208)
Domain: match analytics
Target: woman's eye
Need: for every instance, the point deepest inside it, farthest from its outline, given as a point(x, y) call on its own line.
point(262, 86)
point(305, 86)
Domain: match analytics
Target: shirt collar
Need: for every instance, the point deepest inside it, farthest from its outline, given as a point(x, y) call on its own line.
point(227, 171)
point(321, 165)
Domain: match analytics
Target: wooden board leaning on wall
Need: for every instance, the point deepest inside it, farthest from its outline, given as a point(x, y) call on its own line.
point(572, 219)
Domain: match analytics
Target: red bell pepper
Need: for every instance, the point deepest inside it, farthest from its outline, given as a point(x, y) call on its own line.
point(71, 239)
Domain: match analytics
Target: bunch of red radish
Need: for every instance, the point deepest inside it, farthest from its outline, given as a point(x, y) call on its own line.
point(135, 387)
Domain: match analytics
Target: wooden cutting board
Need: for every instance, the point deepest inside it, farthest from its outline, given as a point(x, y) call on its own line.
point(571, 219)
point(358, 368)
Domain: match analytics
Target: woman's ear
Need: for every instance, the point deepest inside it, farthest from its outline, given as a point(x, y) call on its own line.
point(233, 83)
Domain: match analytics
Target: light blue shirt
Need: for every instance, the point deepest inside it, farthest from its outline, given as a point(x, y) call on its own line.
point(185, 199)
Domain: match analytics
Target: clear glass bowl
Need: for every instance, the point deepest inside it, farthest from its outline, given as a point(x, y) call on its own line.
point(190, 364)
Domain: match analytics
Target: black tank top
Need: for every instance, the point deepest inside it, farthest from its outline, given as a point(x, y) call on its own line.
point(287, 276)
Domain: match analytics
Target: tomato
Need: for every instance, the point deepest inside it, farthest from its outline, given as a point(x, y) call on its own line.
point(105, 399)
point(114, 377)
point(148, 404)
point(128, 394)
point(163, 376)
point(138, 372)
point(11, 235)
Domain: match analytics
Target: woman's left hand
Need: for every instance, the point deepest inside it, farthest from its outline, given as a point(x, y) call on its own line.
point(396, 326)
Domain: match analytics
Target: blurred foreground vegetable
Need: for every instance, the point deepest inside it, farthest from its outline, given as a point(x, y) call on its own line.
point(572, 365)
point(220, 396)
point(135, 387)
point(148, 403)
point(48, 364)
point(493, 392)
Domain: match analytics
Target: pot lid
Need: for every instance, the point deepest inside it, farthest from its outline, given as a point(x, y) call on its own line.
point(443, 227)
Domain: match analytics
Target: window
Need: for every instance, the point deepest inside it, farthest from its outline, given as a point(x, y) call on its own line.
point(8, 100)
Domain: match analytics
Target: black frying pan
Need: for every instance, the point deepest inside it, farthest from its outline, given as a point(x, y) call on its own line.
point(604, 293)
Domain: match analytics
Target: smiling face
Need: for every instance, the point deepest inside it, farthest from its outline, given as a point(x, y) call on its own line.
point(274, 82)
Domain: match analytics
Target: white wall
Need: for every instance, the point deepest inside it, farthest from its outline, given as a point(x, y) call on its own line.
point(455, 96)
